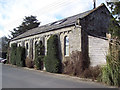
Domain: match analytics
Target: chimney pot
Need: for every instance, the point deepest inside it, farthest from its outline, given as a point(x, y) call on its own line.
point(94, 4)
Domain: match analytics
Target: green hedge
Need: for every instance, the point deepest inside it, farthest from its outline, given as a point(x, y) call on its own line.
point(20, 56)
point(39, 55)
point(52, 61)
point(39, 62)
point(17, 55)
point(13, 54)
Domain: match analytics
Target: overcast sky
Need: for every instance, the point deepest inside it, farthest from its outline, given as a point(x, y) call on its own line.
point(12, 12)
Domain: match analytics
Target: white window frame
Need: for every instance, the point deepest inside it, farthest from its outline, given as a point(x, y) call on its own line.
point(66, 46)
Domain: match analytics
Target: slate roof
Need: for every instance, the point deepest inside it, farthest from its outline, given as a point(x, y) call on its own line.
point(54, 25)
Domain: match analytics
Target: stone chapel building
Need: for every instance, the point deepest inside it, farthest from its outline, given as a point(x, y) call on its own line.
point(84, 32)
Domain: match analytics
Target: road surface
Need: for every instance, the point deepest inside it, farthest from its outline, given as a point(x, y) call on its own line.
point(21, 78)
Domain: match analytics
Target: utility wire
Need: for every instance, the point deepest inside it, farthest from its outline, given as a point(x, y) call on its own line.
point(45, 9)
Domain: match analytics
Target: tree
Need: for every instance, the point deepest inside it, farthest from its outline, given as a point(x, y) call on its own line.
point(39, 55)
point(13, 53)
point(111, 72)
point(20, 56)
point(115, 22)
point(3, 46)
point(52, 61)
point(28, 23)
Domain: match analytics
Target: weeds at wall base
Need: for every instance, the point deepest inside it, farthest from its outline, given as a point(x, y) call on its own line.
point(111, 72)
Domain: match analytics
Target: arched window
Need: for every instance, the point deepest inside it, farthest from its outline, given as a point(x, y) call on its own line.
point(66, 46)
point(19, 45)
point(40, 43)
point(26, 45)
point(36, 43)
point(26, 49)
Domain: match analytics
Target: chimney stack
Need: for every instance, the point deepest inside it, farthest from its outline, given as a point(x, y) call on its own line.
point(94, 4)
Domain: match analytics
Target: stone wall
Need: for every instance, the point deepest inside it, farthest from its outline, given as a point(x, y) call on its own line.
point(74, 34)
point(96, 26)
point(75, 39)
point(98, 49)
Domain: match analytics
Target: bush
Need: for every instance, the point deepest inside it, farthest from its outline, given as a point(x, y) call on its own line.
point(52, 61)
point(29, 63)
point(20, 57)
point(39, 62)
point(8, 56)
point(39, 55)
point(92, 73)
point(13, 54)
point(74, 64)
point(111, 72)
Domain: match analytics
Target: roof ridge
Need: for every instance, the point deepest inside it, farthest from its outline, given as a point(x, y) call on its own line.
point(67, 17)
point(95, 9)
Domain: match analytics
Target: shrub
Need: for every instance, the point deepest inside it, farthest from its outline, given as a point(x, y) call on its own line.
point(39, 56)
point(92, 72)
point(13, 54)
point(17, 55)
point(111, 72)
point(74, 64)
point(39, 62)
point(20, 57)
point(29, 62)
point(52, 61)
point(8, 56)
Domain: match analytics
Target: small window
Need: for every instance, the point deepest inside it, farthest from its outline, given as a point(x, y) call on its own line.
point(35, 43)
point(40, 43)
point(63, 21)
point(27, 49)
point(26, 45)
point(59, 22)
point(66, 46)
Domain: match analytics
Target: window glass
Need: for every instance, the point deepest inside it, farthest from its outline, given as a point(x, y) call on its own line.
point(26, 45)
point(66, 47)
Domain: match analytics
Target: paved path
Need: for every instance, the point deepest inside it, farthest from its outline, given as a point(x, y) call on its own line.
point(20, 78)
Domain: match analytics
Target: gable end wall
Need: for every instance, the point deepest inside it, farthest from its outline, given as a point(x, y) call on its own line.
point(96, 26)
